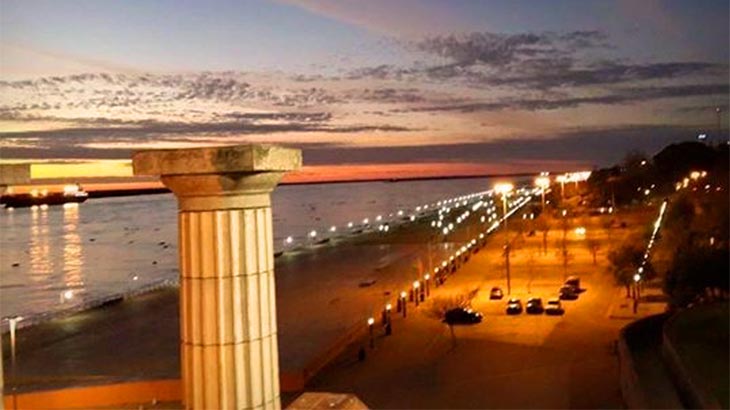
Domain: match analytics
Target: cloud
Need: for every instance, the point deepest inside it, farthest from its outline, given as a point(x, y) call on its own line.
point(503, 50)
point(619, 96)
point(547, 74)
point(543, 61)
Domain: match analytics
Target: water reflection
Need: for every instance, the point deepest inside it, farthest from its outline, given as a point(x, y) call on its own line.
point(73, 259)
point(41, 264)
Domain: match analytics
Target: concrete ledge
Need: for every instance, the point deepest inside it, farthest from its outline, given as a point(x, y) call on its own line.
point(98, 396)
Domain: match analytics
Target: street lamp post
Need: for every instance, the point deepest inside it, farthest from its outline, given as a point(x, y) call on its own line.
point(388, 321)
point(13, 323)
point(427, 279)
point(371, 323)
point(403, 303)
point(562, 179)
point(543, 183)
point(504, 189)
point(416, 286)
point(718, 110)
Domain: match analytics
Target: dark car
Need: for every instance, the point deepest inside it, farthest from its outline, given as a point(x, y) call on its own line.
point(573, 281)
point(534, 306)
point(554, 307)
point(462, 316)
point(514, 306)
point(568, 292)
point(496, 293)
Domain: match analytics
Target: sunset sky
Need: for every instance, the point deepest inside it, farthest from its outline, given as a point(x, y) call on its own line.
point(492, 85)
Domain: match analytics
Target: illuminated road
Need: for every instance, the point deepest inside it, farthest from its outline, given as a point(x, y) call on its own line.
point(506, 361)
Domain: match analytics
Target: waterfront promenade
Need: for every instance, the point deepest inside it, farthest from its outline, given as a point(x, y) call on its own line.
point(524, 361)
point(321, 294)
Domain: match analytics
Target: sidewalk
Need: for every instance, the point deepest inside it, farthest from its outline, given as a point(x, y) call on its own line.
point(652, 302)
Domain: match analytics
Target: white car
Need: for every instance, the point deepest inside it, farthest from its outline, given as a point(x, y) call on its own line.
point(554, 307)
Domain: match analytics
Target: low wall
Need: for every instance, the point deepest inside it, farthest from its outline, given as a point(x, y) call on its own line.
point(644, 378)
point(631, 389)
point(98, 396)
point(693, 391)
point(295, 381)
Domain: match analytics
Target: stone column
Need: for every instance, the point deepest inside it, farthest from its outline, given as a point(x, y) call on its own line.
point(229, 350)
point(10, 174)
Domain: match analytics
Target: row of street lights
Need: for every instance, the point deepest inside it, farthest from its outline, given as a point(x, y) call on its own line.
point(421, 289)
point(385, 226)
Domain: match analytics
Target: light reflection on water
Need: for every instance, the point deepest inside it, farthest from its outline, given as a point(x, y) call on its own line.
point(73, 258)
point(98, 248)
point(41, 264)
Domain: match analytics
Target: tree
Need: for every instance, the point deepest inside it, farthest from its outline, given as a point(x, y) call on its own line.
point(697, 272)
point(593, 245)
point(565, 256)
point(607, 225)
point(543, 225)
point(438, 307)
point(625, 261)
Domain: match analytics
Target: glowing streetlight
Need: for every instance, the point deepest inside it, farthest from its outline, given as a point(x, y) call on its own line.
point(542, 182)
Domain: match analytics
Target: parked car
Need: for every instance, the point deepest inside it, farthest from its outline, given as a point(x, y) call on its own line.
point(573, 281)
point(496, 293)
point(534, 306)
point(462, 316)
point(568, 292)
point(514, 306)
point(554, 307)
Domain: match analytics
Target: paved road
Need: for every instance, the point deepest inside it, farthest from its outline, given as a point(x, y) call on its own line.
point(507, 361)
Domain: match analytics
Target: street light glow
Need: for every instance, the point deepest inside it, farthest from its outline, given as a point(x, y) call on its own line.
point(542, 182)
point(503, 188)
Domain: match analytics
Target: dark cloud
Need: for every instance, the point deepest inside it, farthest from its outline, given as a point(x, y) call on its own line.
point(526, 61)
point(386, 95)
point(618, 96)
point(501, 50)
point(125, 90)
point(278, 116)
point(547, 73)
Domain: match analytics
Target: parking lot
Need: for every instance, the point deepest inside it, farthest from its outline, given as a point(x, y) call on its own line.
point(506, 361)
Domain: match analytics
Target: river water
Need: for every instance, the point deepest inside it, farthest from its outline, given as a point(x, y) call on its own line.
point(66, 258)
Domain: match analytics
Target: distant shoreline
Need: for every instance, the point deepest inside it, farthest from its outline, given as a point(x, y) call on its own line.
point(106, 193)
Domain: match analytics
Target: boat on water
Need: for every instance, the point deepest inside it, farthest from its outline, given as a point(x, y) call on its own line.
point(36, 197)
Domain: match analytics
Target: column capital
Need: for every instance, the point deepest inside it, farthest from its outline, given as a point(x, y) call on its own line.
point(210, 178)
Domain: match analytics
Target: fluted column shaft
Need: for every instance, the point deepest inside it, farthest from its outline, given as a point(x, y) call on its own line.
point(228, 309)
point(228, 342)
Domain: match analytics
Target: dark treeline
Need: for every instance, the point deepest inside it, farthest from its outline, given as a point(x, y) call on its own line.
point(697, 222)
